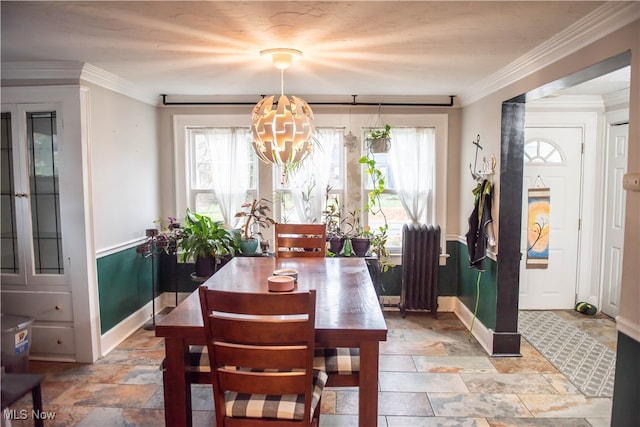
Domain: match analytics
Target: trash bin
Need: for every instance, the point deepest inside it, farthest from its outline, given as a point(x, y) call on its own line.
point(16, 342)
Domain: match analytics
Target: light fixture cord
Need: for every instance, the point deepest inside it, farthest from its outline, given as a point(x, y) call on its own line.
point(281, 82)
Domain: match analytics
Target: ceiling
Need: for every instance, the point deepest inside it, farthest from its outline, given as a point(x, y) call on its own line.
point(416, 48)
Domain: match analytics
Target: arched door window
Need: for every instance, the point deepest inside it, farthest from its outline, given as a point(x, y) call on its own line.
point(543, 151)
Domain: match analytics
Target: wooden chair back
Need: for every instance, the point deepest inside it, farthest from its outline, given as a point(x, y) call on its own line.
point(260, 344)
point(300, 240)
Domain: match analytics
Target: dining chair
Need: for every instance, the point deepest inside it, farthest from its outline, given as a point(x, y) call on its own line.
point(261, 348)
point(295, 240)
point(300, 240)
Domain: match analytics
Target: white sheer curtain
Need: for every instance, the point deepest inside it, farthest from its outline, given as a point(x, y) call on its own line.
point(309, 182)
point(411, 158)
point(229, 169)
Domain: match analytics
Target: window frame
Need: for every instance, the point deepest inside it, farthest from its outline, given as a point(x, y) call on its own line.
point(192, 191)
point(439, 122)
point(339, 192)
point(182, 162)
point(353, 192)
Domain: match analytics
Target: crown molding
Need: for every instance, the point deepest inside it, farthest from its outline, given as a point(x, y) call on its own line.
point(72, 72)
point(110, 81)
point(568, 103)
point(606, 19)
point(616, 99)
point(67, 70)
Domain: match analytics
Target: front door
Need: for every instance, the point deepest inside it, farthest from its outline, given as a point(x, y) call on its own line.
point(614, 218)
point(553, 159)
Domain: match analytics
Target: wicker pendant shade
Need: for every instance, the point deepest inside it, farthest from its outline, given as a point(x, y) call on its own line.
point(282, 130)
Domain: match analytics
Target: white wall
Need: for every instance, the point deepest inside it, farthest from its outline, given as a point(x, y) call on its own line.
point(125, 170)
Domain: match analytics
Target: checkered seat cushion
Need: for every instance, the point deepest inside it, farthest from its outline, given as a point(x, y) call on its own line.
point(199, 358)
point(337, 361)
point(287, 407)
point(198, 369)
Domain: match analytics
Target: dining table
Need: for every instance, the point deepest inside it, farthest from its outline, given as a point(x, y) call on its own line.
point(348, 314)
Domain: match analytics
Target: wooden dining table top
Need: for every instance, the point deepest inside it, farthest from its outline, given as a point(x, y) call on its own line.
point(346, 299)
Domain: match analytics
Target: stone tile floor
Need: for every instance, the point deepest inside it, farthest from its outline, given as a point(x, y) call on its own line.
point(431, 374)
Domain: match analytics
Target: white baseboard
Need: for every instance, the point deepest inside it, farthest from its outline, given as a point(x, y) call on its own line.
point(120, 332)
point(481, 333)
point(392, 302)
point(114, 336)
point(169, 298)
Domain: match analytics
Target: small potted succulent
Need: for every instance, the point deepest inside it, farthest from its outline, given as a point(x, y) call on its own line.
point(256, 214)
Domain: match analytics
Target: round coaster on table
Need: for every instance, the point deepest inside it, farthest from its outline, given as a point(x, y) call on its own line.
point(281, 283)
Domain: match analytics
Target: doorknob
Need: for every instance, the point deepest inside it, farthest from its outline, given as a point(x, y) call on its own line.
point(21, 194)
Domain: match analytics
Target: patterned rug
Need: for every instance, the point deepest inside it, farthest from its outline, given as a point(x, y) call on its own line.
point(587, 363)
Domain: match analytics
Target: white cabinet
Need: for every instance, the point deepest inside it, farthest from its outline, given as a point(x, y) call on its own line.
point(32, 239)
point(48, 270)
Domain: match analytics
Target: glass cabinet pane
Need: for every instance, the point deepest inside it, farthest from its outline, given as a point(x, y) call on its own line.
point(44, 192)
point(8, 235)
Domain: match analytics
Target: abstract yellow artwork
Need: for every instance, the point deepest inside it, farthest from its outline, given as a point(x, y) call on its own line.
point(538, 227)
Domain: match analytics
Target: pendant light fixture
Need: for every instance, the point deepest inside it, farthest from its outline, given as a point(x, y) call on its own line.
point(282, 130)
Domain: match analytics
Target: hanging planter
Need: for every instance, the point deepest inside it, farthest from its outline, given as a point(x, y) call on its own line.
point(379, 140)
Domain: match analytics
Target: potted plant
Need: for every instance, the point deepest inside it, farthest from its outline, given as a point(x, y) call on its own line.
point(379, 140)
point(256, 214)
point(168, 237)
point(206, 242)
point(333, 220)
point(378, 239)
point(358, 236)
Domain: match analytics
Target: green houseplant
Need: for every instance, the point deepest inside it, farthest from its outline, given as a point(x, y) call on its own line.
point(359, 236)
point(378, 238)
point(379, 140)
point(333, 220)
point(256, 214)
point(206, 242)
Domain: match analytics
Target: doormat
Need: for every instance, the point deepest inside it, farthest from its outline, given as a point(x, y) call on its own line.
point(587, 363)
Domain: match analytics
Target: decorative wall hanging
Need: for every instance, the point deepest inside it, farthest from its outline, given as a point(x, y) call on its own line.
point(538, 226)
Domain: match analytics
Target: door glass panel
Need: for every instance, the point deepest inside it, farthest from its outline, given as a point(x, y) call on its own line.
point(8, 235)
point(42, 143)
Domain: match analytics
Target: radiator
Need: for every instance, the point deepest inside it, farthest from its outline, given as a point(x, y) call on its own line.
point(420, 260)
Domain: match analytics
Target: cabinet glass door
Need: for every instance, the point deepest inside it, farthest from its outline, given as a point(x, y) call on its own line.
point(31, 226)
point(8, 234)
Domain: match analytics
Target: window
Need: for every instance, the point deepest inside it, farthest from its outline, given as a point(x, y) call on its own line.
point(302, 199)
point(408, 170)
point(339, 155)
point(222, 171)
point(541, 151)
point(389, 203)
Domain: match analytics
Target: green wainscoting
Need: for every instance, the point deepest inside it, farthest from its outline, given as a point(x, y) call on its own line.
point(626, 387)
point(467, 286)
point(448, 275)
point(124, 283)
point(124, 286)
